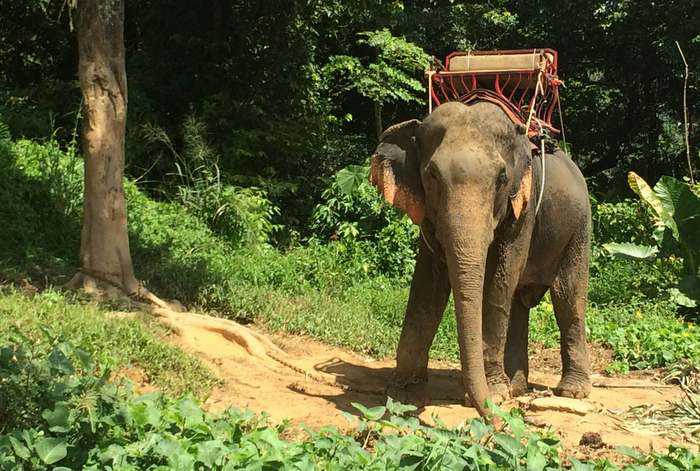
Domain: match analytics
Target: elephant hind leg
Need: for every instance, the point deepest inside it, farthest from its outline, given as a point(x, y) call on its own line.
point(569, 295)
point(516, 351)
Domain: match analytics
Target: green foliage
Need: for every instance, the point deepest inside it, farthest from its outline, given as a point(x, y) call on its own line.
point(627, 220)
point(49, 320)
point(676, 212)
point(243, 216)
point(354, 214)
point(340, 292)
point(40, 201)
point(641, 335)
point(88, 423)
point(388, 80)
point(620, 280)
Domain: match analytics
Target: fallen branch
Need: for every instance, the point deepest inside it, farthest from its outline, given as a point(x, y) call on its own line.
point(632, 386)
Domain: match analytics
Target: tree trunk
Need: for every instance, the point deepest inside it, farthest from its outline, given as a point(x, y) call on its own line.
point(378, 120)
point(104, 247)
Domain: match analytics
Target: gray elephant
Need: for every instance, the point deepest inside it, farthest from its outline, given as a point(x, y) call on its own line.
point(466, 175)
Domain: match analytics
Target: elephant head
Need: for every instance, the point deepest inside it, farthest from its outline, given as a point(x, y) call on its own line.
point(463, 174)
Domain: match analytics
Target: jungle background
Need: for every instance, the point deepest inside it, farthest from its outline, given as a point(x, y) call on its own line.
point(250, 125)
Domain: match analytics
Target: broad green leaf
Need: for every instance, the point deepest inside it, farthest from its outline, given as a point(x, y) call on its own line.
point(58, 418)
point(576, 465)
point(19, 448)
point(509, 445)
point(680, 298)
point(478, 429)
point(51, 450)
point(629, 250)
point(210, 452)
point(644, 191)
point(396, 408)
point(351, 177)
point(670, 191)
point(145, 413)
point(190, 411)
point(536, 461)
point(60, 362)
point(373, 413)
point(631, 452)
point(85, 359)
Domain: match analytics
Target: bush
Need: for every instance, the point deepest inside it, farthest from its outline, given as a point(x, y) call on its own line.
point(641, 335)
point(40, 201)
point(625, 220)
point(242, 216)
point(352, 212)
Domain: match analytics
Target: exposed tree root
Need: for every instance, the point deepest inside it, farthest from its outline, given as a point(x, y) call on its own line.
point(255, 344)
point(170, 314)
point(105, 290)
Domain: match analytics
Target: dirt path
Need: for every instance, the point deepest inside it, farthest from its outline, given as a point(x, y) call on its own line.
point(264, 384)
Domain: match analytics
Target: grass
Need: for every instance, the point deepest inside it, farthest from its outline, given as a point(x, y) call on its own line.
point(50, 318)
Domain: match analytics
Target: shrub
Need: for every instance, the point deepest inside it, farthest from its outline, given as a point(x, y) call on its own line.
point(243, 216)
point(624, 220)
point(352, 212)
point(40, 201)
point(675, 208)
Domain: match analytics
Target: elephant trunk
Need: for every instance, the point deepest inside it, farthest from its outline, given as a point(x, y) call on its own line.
point(466, 262)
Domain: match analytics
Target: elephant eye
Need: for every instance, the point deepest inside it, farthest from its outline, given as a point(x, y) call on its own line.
point(502, 177)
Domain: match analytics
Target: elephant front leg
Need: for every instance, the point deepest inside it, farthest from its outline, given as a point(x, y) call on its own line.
point(504, 266)
point(516, 354)
point(430, 290)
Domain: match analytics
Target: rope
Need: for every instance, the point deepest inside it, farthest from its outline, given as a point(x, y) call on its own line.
point(426, 240)
point(538, 87)
point(539, 197)
point(561, 125)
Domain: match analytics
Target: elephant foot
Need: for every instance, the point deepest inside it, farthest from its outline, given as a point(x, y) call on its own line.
point(499, 392)
point(413, 392)
point(518, 384)
point(574, 385)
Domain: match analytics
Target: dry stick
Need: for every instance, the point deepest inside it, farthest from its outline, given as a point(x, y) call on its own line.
point(633, 386)
point(686, 125)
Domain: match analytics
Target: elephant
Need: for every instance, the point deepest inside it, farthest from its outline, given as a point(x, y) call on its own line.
point(467, 176)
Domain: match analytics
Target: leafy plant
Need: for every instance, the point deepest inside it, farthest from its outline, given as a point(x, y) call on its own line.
point(242, 215)
point(85, 422)
point(353, 214)
point(675, 209)
point(390, 79)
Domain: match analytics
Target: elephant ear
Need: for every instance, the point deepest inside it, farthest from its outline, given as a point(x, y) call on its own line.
point(395, 170)
point(520, 199)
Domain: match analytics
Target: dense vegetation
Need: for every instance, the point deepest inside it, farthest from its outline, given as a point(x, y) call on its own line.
point(249, 128)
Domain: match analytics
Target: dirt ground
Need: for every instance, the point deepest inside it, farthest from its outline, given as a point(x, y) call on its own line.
point(264, 384)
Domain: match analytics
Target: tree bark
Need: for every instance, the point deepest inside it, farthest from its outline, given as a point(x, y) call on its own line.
point(104, 247)
point(379, 126)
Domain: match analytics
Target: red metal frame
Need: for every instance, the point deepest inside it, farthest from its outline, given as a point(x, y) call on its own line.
point(514, 91)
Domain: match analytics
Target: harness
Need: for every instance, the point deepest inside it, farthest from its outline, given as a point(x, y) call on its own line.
point(523, 83)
